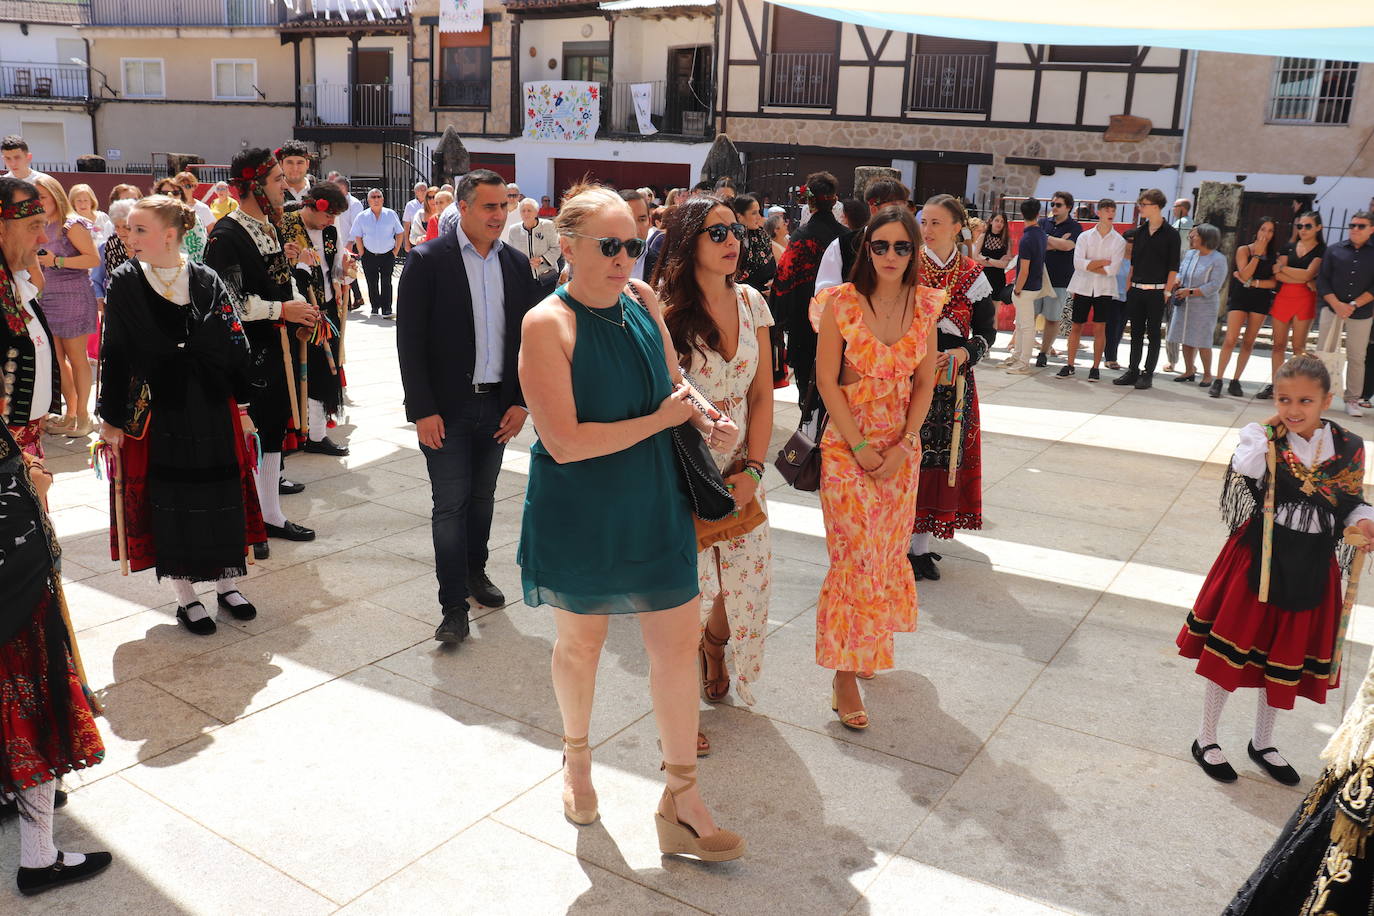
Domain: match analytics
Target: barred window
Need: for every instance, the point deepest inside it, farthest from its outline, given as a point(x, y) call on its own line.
point(1309, 90)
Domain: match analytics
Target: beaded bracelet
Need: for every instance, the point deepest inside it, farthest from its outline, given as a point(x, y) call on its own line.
point(860, 447)
point(758, 478)
point(756, 465)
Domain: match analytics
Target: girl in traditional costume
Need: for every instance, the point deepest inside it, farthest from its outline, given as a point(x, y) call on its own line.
point(46, 729)
point(173, 393)
point(967, 329)
point(1269, 612)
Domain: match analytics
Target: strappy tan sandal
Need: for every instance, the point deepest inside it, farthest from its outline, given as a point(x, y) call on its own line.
point(677, 838)
point(712, 689)
point(848, 719)
point(581, 810)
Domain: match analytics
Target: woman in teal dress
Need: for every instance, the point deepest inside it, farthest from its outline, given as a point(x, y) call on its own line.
point(607, 527)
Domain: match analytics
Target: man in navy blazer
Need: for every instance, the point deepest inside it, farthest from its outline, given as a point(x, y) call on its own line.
point(461, 300)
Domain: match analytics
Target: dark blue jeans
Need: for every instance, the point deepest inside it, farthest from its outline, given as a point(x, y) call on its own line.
point(462, 479)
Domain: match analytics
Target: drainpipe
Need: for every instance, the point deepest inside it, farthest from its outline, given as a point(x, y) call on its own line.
point(91, 104)
point(1189, 87)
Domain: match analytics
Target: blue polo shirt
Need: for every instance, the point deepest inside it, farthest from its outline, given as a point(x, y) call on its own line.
point(1060, 263)
point(1030, 254)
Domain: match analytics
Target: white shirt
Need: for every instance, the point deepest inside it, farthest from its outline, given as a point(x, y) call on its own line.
point(33, 173)
point(203, 214)
point(42, 348)
point(345, 220)
point(978, 291)
point(831, 272)
point(1251, 459)
point(1092, 245)
point(415, 206)
point(335, 270)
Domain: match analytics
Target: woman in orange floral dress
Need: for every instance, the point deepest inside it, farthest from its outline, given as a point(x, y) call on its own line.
point(875, 370)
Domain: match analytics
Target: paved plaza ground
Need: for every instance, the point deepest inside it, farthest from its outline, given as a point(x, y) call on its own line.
point(1030, 753)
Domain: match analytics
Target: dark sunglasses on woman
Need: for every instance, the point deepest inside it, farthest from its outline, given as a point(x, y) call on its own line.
point(1306, 226)
point(902, 249)
point(610, 246)
point(721, 231)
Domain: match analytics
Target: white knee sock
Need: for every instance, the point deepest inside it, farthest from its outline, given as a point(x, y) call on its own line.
point(226, 586)
point(36, 849)
point(269, 496)
point(1213, 702)
point(186, 597)
point(1264, 728)
point(318, 423)
point(920, 543)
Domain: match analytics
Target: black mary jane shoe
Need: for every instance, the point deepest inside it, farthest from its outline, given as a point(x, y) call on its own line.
point(325, 446)
point(1190, 377)
point(1284, 774)
point(11, 807)
point(237, 611)
point(290, 532)
point(205, 626)
point(289, 487)
point(37, 880)
point(261, 551)
point(1221, 772)
point(924, 566)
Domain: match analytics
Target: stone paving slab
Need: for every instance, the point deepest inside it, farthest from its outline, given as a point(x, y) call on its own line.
point(1028, 754)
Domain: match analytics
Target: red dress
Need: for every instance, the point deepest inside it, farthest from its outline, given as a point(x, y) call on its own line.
point(1284, 645)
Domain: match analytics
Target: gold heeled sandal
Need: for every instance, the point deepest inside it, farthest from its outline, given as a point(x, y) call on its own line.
point(719, 692)
point(678, 838)
point(848, 719)
point(581, 810)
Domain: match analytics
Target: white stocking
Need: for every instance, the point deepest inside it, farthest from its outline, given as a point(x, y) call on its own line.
point(1264, 728)
point(36, 849)
point(318, 423)
point(920, 543)
point(268, 480)
point(186, 597)
point(1213, 702)
point(227, 586)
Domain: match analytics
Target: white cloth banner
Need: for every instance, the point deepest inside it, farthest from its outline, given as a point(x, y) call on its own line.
point(460, 15)
point(643, 95)
point(562, 110)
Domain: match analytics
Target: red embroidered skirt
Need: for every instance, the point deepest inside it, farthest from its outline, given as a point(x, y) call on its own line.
point(29, 438)
point(33, 754)
point(138, 520)
point(940, 508)
point(1240, 641)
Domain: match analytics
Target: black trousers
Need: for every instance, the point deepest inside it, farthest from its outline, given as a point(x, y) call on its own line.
point(1145, 311)
point(377, 269)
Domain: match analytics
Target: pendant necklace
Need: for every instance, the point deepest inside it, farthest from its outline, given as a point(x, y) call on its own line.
point(167, 285)
point(597, 313)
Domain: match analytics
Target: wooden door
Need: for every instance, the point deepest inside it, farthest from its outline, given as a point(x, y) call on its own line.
point(939, 178)
point(689, 91)
point(1254, 206)
point(371, 94)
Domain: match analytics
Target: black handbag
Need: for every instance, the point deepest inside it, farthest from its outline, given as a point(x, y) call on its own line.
point(799, 460)
point(711, 499)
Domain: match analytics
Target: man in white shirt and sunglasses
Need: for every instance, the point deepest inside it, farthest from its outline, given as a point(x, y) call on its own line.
point(1097, 258)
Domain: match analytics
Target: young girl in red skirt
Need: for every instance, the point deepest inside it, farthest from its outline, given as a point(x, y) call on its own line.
point(174, 377)
point(1284, 645)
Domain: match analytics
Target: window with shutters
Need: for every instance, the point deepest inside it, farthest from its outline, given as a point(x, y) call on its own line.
point(1310, 90)
point(949, 74)
point(802, 63)
point(464, 69)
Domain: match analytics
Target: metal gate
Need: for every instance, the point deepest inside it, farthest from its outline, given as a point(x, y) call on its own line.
point(774, 176)
point(402, 166)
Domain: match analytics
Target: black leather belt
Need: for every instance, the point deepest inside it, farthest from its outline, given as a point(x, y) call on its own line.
point(486, 388)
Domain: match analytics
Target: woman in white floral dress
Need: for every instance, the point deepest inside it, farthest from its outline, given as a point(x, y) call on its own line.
point(709, 316)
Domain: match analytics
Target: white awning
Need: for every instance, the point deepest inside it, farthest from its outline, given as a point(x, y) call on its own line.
point(627, 6)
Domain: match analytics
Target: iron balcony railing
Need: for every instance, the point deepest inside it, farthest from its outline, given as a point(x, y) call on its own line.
point(950, 82)
point(674, 110)
point(801, 80)
point(462, 93)
point(42, 81)
point(378, 105)
point(187, 12)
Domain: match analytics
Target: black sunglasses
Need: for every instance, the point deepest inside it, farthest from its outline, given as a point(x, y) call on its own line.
point(610, 246)
point(1359, 225)
point(1306, 225)
point(720, 231)
point(902, 249)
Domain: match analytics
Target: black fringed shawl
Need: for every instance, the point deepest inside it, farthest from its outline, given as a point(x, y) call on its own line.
point(1323, 501)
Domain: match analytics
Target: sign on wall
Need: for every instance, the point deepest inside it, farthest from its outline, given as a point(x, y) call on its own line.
point(562, 110)
point(460, 15)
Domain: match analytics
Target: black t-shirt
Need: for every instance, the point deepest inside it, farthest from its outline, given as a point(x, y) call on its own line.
point(1060, 263)
point(1305, 261)
point(1153, 254)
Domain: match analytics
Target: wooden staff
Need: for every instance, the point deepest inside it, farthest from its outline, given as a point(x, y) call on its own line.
point(957, 437)
point(1355, 539)
point(1267, 547)
point(339, 291)
point(96, 706)
point(290, 376)
point(121, 534)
